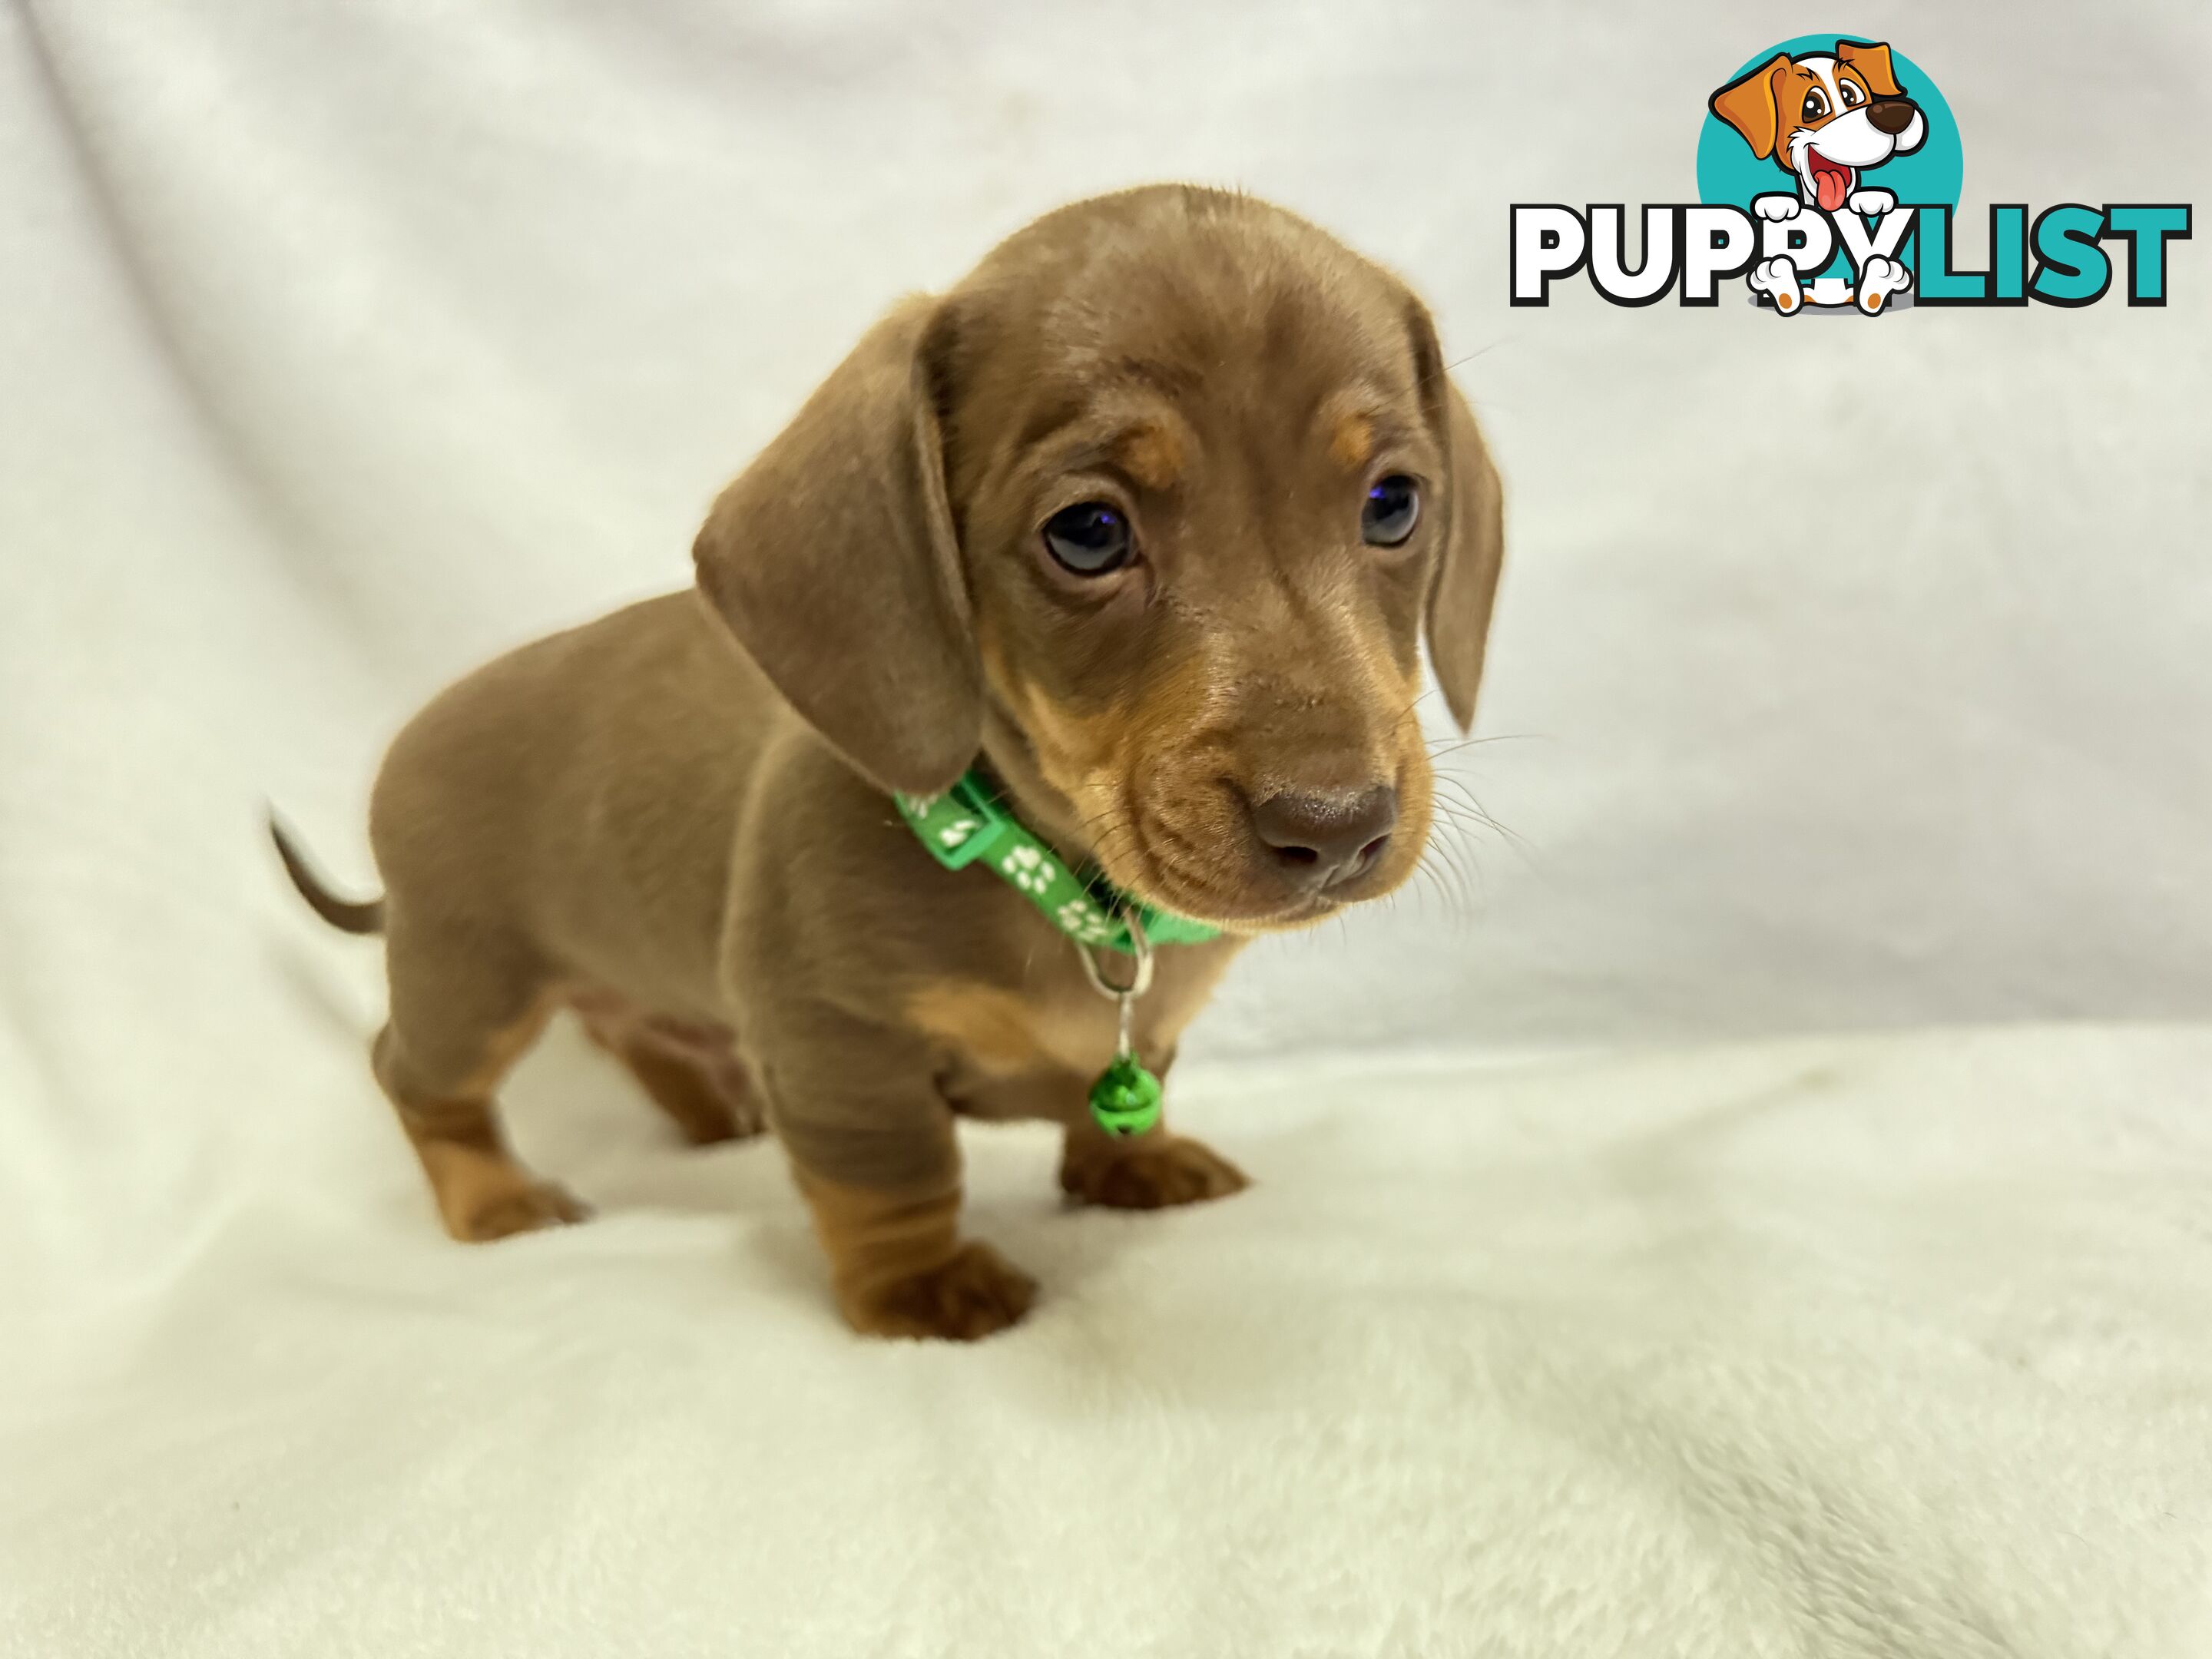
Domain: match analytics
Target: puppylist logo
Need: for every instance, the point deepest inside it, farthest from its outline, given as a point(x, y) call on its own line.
point(1828, 174)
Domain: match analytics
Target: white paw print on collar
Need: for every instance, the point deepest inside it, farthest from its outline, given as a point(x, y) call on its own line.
point(1027, 869)
point(1080, 918)
point(958, 831)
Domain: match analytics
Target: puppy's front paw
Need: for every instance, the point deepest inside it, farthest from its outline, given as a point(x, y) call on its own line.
point(1871, 204)
point(1150, 1175)
point(1777, 207)
point(975, 1294)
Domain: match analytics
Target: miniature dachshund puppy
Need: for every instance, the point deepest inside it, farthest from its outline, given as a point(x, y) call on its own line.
point(1145, 519)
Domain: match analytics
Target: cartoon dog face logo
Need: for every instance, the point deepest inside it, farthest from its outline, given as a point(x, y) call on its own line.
point(1827, 117)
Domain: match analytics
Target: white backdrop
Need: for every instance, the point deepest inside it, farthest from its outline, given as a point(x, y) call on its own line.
point(1844, 675)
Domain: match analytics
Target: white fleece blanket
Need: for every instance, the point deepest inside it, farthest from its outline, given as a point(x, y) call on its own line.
point(1836, 1348)
point(1845, 678)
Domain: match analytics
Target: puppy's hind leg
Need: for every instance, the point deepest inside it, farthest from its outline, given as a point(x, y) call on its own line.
point(463, 1012)
point(690, 1071)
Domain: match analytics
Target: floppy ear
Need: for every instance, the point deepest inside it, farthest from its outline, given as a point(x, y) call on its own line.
point(1746, 104)
point(833, 559)
point(1465, 580)
point(1871, 60)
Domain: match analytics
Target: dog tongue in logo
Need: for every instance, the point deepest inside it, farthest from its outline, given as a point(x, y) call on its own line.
point(1834, 182)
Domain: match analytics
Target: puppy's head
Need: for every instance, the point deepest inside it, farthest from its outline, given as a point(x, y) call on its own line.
point(1823, 117)
point(1153, 510)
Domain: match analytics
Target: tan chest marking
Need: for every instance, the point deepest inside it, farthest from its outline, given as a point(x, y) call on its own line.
point(1005, 1033)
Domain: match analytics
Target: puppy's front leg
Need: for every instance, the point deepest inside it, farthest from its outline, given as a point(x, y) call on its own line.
point(885, 1199)
point(900, 1268)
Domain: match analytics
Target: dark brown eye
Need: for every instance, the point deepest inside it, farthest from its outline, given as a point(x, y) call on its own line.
point(1852, 96)
point(1091, 538)
point(1393, 507)
point(1816, 105)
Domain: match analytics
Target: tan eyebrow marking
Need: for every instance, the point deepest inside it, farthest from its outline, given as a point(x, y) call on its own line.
point(1360, 423)
point(1352, 441)
point(1151, 452)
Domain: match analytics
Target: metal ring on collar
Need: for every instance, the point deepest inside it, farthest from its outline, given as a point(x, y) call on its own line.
point(1140, 980)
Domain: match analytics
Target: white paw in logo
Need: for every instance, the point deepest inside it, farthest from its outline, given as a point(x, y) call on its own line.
point(1777, 279)
point(956, 831)
point(1030, 869)
point(1870, 203)
point(1080, 918)
point(1777, 207)
point(1879, 279)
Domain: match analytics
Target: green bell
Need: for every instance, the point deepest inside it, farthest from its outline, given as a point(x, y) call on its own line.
point(1125, 1099)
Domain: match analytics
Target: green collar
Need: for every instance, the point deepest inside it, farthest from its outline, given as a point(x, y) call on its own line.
point(971, 821)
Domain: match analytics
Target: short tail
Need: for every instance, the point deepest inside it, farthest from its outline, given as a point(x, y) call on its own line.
point(348, 915)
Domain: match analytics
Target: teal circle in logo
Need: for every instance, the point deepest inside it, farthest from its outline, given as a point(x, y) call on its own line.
point(1730, 174)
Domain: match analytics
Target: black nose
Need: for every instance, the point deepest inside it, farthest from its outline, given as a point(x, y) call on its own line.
point(1892, 115)
point(1324, 836)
